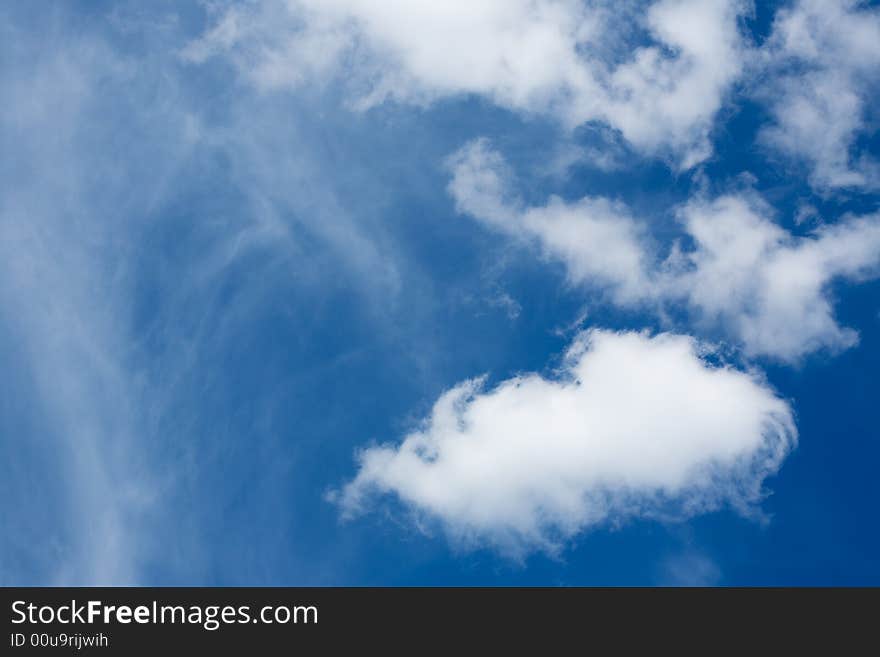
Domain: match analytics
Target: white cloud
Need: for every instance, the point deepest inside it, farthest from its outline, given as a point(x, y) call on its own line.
point(567, 59)
point(661, 99)
point(597, 239)
point(823, 60)
point(277, 48)
point(632, 426)
point(766, 288)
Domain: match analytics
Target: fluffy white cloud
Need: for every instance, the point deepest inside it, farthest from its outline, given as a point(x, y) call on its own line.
point(631, 425)
point(823, 59)
point(657, 73)
point(766, 288)
point(656, 98)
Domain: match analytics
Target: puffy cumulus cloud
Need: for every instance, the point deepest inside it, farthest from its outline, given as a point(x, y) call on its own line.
point(657, 99)
point(823, 61)
point(741, 272)
point(632, 426)
point(768, 288)
point(561, 58)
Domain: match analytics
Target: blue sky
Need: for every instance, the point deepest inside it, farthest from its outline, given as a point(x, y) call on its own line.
point(256, 257)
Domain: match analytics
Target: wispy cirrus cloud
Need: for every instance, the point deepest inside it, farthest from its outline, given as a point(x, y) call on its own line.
point(63, 309)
